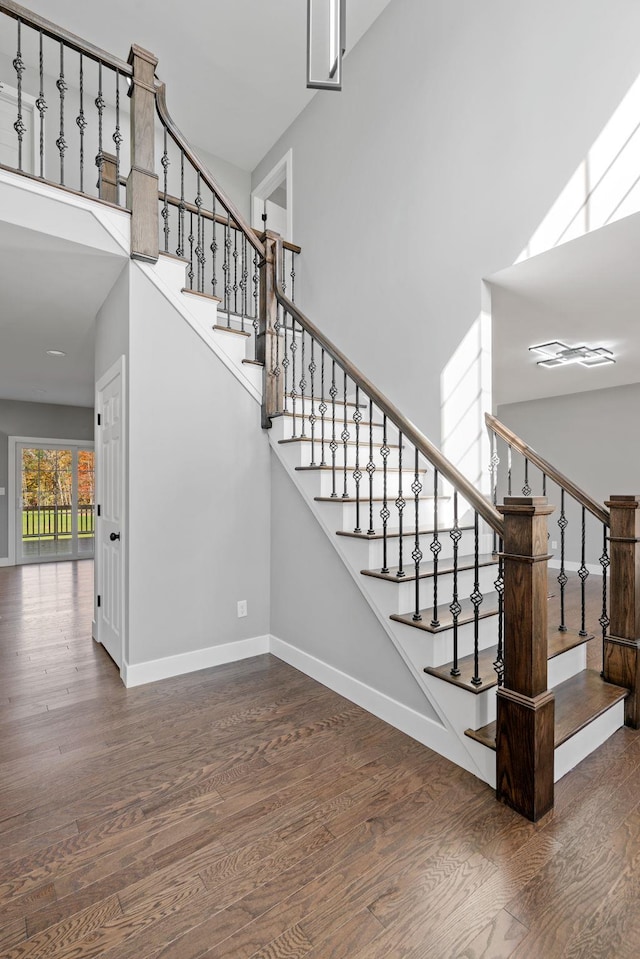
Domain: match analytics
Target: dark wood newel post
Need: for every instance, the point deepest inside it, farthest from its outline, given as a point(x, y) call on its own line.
point(267, 341)
point(526, 709)
point(142, 183)
point(622, 644)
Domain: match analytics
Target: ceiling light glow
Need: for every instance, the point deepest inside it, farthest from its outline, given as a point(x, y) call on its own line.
point(56, 353)
point(559, 354)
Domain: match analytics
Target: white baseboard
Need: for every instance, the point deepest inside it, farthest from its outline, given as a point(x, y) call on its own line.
point(404, 718)
point(4, 560)
point(135, 674)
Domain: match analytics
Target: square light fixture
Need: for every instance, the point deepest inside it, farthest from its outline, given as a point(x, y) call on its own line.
point(326, 43)
point(559, 354)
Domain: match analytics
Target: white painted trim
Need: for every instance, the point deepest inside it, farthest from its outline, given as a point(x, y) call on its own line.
point(13, 505)
point(282, 171)
point(10, 95)
point(4, 561)
point(402, 717)
point(135, 674)
point(585, 741)
point(571, 567)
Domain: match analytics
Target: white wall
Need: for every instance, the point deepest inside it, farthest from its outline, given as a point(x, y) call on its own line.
point(35, 419)
point(457, 127)
point(199, 520)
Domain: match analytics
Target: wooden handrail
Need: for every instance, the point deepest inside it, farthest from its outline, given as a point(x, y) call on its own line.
point(553, 474)
point(55, 32)
point(411, 432)
point(194, 159)
point(218, 217)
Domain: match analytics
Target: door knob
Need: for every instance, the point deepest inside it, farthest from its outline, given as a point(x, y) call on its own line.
point(114, 536)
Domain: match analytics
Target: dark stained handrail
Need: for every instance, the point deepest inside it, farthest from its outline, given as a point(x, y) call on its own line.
point(551, 472)
point(55, 32)
point(409, 431)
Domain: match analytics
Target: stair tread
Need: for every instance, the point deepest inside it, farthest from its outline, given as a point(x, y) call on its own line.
point(578, 701)
point(327, 419)
point(391, 533)
point(350, 468)
point(254, 363)
point(230, 329)
point(204, 296)
point(488, 607)
point(318, 399)
point(445, 566)
point(174, 256)
point(361, 445)
point(557, 643)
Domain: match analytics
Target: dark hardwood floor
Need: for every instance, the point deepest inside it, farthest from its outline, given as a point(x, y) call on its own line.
point(247, 811)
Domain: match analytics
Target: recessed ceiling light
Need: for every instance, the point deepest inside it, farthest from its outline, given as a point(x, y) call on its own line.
point(559, 354)
point(56, 353)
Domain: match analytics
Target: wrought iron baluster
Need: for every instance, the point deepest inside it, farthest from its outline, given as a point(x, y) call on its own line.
point(19, 66)
point(498, 664)
point(526, 489)
point(214, 248)
point(583, 572)
point(199, 251)
point(435, 548)
point(384, 512)
point(165, 205)
point(303, 385)
point(454, 607)
point(605, 562)
point(226, 268)
point(293, 349)
point(61, 84)
point(276, 329)
point(285, 358)
point(509, 470)
point(235, 271)
point(333, 445)
point(256, 312)
point(493, 469)
point(400, 505)
point(100, 106)
point(181, 209)
point(562, 576)
point(344, 436)
point(293, 278)
point(416, 555)
point(544, 484)
point(244, 277)
point(357, 474)
point(476, 599)
point(312, 415)
point(371, 468)
point(322, 410)
point(190, 241)
point(117, 137)
point(41, 106)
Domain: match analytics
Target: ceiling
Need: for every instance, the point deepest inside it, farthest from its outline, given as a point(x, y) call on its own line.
point(235, 70)
point(586, 292)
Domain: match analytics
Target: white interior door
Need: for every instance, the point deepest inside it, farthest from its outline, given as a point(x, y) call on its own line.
point(110, 520)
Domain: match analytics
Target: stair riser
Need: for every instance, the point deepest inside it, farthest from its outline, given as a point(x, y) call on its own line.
point(205, 311)
point(393, 485)
point(563, 667)
point(399, 596)
point(575, 749)
point(343, 515)
point(291, 432)
point(439, 648)
point(474, 709)
point(305, 457)
point(173, 272)
point(368, 554)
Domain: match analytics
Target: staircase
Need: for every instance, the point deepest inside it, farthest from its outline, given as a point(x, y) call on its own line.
point(458, 583)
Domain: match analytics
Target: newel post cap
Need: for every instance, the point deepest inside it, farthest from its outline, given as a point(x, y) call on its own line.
point(525, 506)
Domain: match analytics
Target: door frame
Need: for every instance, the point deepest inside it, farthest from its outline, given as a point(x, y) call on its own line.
point(281, 173)
point(117, 368)
point(14, 492)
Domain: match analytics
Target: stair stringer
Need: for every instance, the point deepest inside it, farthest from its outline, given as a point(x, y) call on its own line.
point(447, 738)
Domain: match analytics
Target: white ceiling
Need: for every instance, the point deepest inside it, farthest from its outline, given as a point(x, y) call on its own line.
point(235, 69)
point(586, 292)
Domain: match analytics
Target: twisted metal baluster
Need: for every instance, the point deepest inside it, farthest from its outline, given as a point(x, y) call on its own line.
point(526, 489)
point(333, 445)
point(498, 664)
point(509, 470)
point(181, 209)
point(322, 410)
point(476, 599)
point(165, 205)
point(117, 136)
point(199, 250)
point(312, 415)
point(100, 106)
point(384, 512)
point(416, 555)
point(293, 278)
point(303, 385)
point(18, 65)
point(455, 608)
point(605, 562)
point(400, 505)
point(256, 311)
point(41, 106)
point(357, 474)
point(235, 271)
point(544, 484)
point(583, 572)
point(435, 548)
point(344, 436)
point(276, 329)
point(285, 359)
point(226, 268)
point(244, 276)
point(293, 350)
point(562, 576)
point(61, 84)
point(493, 469)
point(371, 468)
point(214, 248)
point(190, 241)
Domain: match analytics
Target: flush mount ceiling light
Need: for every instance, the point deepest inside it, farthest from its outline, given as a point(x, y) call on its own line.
point(326, 43)
point(56, 353)
point(559, 354)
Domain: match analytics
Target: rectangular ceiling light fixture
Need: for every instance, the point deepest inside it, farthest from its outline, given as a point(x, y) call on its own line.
point(559, 354)
point(326, 43)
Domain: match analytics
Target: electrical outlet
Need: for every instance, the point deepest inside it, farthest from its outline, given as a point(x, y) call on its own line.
point(554, 544)
point(242, 608)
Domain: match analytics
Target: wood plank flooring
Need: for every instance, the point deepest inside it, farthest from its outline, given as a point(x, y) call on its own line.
point(248, 812)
